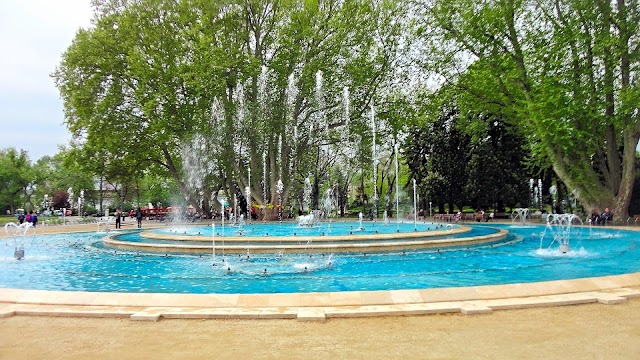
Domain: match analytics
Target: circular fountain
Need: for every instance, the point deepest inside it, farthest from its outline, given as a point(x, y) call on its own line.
point(82, 262)
point(306, 236)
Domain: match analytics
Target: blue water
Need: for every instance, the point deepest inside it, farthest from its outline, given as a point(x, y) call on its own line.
point(77, 262)
point(290, 229)
point(322, 234)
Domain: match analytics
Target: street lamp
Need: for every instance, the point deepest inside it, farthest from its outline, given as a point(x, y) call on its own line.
point(430, 209)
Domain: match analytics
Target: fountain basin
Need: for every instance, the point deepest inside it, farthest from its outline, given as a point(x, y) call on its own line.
point(174, 243)
point(81, 262)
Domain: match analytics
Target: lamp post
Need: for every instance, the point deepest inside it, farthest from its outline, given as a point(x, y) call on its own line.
point(430, 209)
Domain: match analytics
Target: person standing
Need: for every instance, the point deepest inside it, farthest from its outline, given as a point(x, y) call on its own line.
point(118, 217)
point(139, 217)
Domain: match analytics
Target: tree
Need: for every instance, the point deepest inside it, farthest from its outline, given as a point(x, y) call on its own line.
point(562, 71)
point(226, 81)
point(15, 178)
point(437, 156)
point(496, 176)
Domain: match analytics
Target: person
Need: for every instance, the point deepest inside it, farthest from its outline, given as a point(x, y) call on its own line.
point(491, 215)
point(139, 217)
point(34, 219)
point(479, 215)
point(607, 215)
point(21, 218)
point(594, 218)
point(118, 217)
point(29, 216)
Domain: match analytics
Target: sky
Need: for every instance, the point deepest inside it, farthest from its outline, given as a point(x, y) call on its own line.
point(33, 36)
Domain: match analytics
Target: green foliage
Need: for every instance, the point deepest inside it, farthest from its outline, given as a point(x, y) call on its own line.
point(437, 157)
point(557, 70)
point(15, 178)
point(160, 86)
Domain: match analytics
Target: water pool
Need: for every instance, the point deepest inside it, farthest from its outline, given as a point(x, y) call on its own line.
point(80, 262)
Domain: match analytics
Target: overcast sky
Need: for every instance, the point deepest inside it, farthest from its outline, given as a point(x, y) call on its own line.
point(34, 34)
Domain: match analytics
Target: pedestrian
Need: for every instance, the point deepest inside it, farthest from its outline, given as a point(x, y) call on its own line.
point(139, 217)
point(21, 218)
point(118, 217)
point(34, 219)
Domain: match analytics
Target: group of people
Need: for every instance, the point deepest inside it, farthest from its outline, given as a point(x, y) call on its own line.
point(119, 215)
point(601, 219)
point(31, 217)
point(480, 215)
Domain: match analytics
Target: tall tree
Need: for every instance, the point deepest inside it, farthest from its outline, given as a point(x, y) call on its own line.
point(563, 70)
point(202, 89)
point(437, 156)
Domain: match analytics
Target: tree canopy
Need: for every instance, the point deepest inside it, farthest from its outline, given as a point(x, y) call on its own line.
point(564, 71)
point(264, 99)
point(205, 90)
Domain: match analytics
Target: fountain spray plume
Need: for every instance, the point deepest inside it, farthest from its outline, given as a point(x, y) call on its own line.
point(375, 162)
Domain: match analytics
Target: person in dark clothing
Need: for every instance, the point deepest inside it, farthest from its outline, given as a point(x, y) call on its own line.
point(607, 216)
point(139, 217)
point(118, 217)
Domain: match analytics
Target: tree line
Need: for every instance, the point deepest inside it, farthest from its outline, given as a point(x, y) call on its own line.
point(229, 96)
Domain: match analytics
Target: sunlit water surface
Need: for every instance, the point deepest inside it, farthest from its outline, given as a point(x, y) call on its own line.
point(80, 262)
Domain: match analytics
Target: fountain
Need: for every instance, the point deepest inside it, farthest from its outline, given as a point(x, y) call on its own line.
point(328, 203)
point(213, 241)
point(81, 203)
point(247, 194)
point(559, 226)
point(75, 256)
point(264, 185)
point(306, 196)
point(240, 225)
point(415, 204)
point(306, 220)
point(375, 163)
point(520, 214)
point(16, 231)
point(395, 148)
point(279, 189)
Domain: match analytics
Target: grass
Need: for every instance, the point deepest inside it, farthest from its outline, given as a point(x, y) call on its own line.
point(4, 219)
